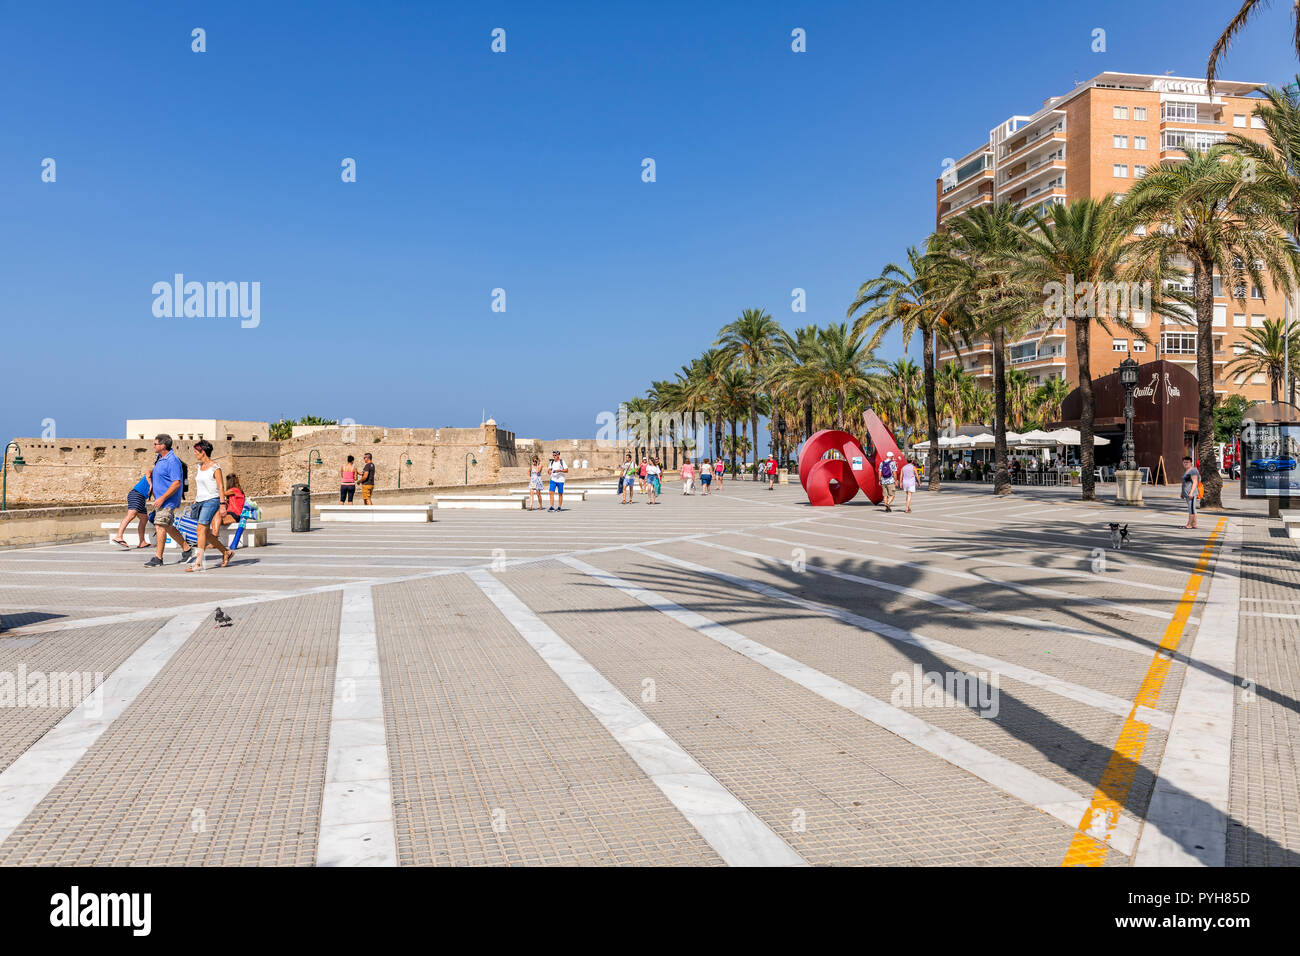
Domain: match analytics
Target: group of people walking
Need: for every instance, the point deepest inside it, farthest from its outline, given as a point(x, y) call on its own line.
point(218, 501)
point(898, 471)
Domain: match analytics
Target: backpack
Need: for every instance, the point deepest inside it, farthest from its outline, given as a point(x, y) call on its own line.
point(886, 470)
point(185, 478)
point(1200, 489)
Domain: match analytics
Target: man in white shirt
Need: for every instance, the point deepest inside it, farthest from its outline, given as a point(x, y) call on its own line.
point(558, 470)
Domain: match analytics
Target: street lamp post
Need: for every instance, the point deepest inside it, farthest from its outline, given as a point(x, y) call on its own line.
point(1128, 480)
point(780, 430)
point(315, 452)
point(18, 463)
point(399, 467)
point(469, 460)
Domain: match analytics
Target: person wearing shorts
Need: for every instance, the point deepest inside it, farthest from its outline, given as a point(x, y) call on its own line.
point(909, 482)
point(367, 478)
point(887, 481)
point(558, 470)
point(209, 500)
point(1191, 486)
point(706, 475)
point(137, 506)
point(167, 480)
point(348, 481)
point(688, 477)
point(627, 479)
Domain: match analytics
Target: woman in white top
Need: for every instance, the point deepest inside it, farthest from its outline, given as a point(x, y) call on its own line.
point(652, 481)
point(209, 500)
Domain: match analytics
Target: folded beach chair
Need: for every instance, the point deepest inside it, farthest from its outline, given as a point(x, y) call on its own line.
point(189, 528)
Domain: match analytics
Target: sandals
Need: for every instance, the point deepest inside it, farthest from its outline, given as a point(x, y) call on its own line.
point(121, 542)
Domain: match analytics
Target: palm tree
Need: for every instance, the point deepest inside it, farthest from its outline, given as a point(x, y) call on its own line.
point(978, 263)
point(843, 368)
point(1248, 9)
point(903, 296)
point(1020, 392)
point(1276, 164)
point(734, 391)
point(1083, 242)
point(903, 396)
point(1207, 210)
point(954, 394)
point(1265, 351)
point(1048, 398)
point(752, 341)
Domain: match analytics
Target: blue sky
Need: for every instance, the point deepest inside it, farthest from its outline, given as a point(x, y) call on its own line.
point(478, 171)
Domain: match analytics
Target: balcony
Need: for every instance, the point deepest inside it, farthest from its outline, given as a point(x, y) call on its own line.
point(1054, 131)
point(1053, 161)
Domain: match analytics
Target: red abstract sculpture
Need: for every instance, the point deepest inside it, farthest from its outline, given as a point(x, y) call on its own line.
point(833, 481)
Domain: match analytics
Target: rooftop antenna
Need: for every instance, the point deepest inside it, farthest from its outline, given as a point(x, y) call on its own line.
point(1076, 77)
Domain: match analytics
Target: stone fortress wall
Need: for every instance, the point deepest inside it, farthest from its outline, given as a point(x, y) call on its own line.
point(75, 471)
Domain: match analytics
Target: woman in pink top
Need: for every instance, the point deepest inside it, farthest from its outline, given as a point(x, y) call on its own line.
point(688, 478)
point(348, 481)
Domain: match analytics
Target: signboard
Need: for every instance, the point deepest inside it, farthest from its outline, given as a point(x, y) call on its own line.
point(857, 462)
point(1270, 460)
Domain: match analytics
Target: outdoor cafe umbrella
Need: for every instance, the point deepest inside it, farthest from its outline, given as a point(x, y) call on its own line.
point(1071, 436)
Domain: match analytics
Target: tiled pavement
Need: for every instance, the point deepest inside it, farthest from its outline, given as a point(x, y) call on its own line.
point(710, 680)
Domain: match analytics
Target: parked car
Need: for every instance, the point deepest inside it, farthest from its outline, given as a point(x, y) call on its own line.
point(1272, 464)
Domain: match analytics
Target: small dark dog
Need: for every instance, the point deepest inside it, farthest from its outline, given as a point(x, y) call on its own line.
point(1118, 535)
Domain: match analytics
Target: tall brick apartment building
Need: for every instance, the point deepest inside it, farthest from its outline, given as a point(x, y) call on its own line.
point(1097, 139)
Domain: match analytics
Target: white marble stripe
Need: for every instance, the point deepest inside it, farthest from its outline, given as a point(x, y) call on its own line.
point(735, 832)
point(1273, 614)
point(356, 817)
point(1076, 692)
point(30, 778)
point(1187, 819)
point(1046, 795)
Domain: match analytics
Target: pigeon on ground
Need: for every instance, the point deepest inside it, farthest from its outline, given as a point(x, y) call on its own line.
point(223, 619)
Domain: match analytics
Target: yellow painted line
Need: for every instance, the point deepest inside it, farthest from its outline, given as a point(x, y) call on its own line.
point(1091, 841)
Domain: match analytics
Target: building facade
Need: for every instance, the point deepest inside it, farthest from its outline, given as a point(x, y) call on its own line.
point(1094, 140)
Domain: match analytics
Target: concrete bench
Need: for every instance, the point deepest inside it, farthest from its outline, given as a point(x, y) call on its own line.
point(1291, 521)
point(254, 534)
point(574, 495)
point(482, 502)
point(376, 514)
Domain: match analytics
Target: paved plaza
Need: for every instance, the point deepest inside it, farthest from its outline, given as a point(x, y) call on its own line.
point(732, 680)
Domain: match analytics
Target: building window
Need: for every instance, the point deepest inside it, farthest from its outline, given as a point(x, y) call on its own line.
point(1256, 123)
point(1255, 293)
point(1139, 142)
point(1220, 316)
point(1139, 172)
point(1119, 345)
point(1119, 142)
point(1139, 317)
point(1119, 170)
point(1218, 287)
point(1140, 113)
point(1257, 378)
point(1238, 320)
point(1177, 111)
point(1139, 345)
point(1256, 321)
point(1191, 138)
point(1178, 343)
point(1238, 120)
point(1119, 112)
